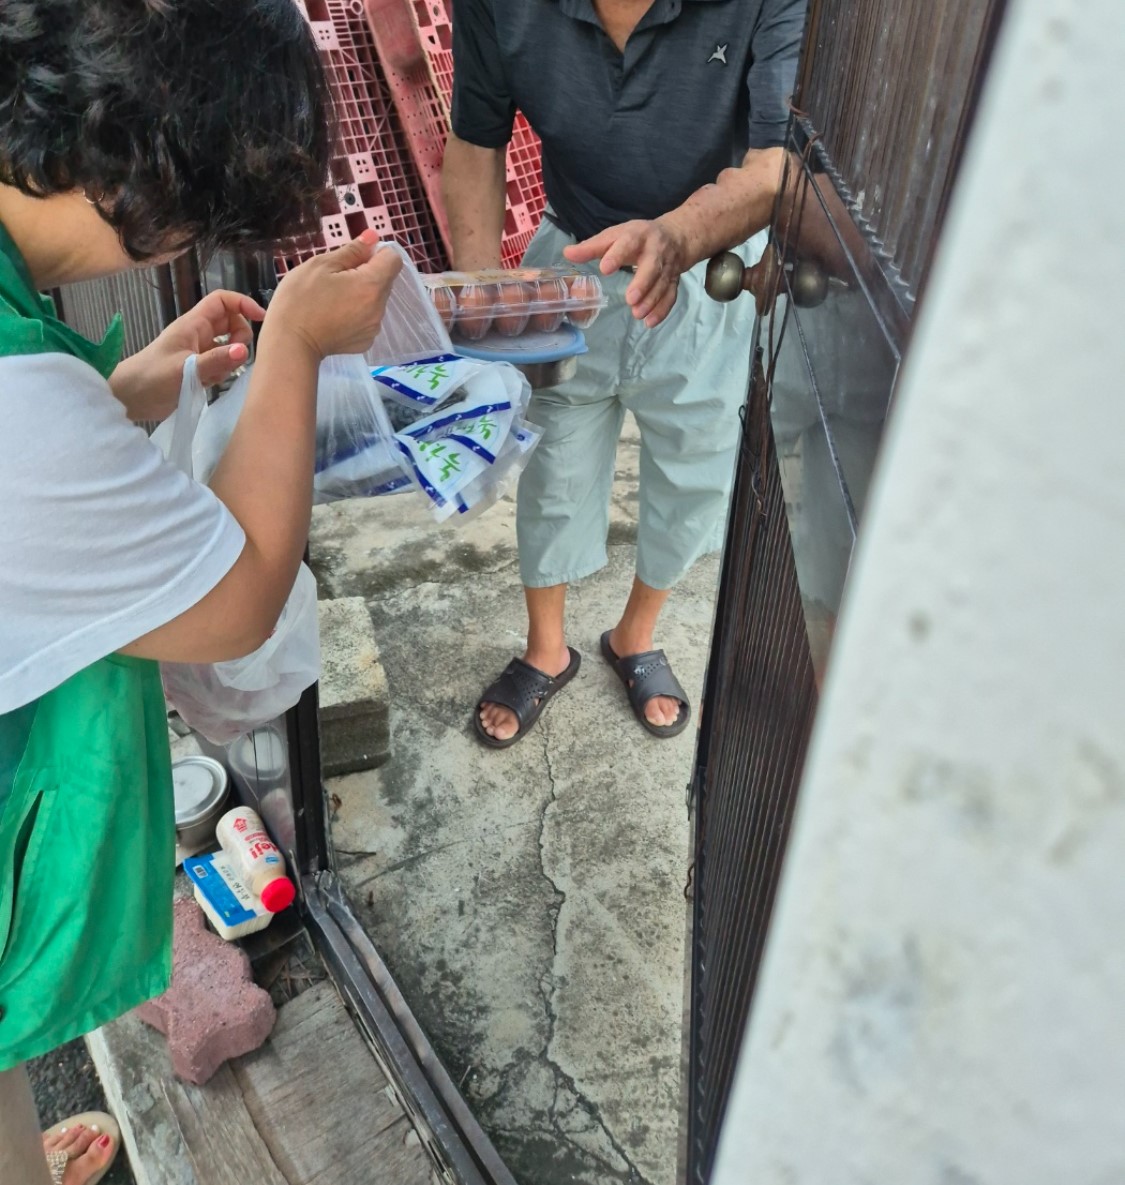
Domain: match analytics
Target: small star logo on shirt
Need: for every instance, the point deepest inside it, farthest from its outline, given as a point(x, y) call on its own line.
point(720, 54)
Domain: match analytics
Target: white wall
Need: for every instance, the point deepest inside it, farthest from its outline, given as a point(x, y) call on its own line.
point(943, 997)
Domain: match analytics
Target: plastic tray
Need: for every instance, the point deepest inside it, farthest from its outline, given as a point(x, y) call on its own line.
point(529, 349)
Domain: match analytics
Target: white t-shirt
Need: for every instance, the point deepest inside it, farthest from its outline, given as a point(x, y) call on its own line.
point(101, 540)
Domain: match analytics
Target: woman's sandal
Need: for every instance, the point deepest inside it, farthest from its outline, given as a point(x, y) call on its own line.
point(525, 691)
point(97, 1121)
point(647, 676)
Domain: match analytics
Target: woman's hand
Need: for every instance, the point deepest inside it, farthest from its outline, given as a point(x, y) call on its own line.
point(148, 383)
point(334, 303)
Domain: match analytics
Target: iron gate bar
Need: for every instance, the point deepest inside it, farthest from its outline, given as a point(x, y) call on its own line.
point(456, 1140)
point(887, 137)
point(875, 275)
point(309, 813)
point(760, 684)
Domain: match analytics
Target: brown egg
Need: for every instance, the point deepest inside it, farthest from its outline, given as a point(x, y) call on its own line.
point(554, 292)
point(474, 310)
point(586, 295)
point(513, 299)
point(446, 305)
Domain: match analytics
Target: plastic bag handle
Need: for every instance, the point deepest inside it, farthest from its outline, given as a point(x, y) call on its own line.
point(185, 419)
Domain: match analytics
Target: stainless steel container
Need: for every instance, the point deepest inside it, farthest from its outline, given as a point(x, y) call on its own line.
point(542, 375)
point(200, 786)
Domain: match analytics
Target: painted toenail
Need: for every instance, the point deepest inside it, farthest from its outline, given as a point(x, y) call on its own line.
point(104, 1142)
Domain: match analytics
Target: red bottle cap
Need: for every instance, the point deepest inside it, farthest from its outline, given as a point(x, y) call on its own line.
point(278, 894)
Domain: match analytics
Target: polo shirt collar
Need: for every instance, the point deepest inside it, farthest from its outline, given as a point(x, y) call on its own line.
point(32, 327)
point(661, 12)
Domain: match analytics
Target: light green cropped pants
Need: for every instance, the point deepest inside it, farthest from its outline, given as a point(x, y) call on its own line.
point(684, 383)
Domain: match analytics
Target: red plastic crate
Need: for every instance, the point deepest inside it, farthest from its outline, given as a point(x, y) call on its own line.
point(423, 90)
point(374, 182)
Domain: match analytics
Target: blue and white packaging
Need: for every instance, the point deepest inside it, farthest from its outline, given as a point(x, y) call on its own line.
point(229, 905)
point(410, 413)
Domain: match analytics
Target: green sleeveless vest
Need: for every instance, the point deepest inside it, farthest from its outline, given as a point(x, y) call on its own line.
point(87, 827)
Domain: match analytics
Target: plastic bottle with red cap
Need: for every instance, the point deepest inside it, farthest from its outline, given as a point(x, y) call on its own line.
point(260, 864)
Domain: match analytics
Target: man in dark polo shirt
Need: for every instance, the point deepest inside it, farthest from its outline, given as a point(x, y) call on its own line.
point(661, 123)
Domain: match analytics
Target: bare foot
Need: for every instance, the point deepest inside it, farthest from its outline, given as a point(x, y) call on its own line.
point(661, 710)
point(501, 722)
point(88, 1149)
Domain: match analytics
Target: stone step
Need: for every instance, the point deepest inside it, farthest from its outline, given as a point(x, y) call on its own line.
point(354, 702)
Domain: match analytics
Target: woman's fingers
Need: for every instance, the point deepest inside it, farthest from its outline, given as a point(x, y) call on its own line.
point(352, 255)
point(335, 302)
point(214, 366)
point(240, 331)
point(218, 314)
point(380, 269)
point(223, 308)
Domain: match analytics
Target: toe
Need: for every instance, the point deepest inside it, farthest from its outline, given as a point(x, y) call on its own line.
point(499, 722)
point(662, 711)
point(506, 726)
point(82, 1142)
point(92, 1161)
point(73, 1136)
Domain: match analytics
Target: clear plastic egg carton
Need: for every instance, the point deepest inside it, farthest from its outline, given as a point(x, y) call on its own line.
point(539, 300)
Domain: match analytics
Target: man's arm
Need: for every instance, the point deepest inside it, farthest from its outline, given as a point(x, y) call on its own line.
point(473, 178)
point(473, 182)
point(715, 218)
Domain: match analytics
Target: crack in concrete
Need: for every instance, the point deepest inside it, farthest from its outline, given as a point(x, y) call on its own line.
point(380, 591)
point(339, 582)
point(408, 861)
point(548, 985)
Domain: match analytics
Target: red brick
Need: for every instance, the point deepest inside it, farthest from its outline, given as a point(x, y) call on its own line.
point(213, 1011)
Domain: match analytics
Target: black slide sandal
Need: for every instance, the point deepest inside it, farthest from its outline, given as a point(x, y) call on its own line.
point(525, 691)
point(645, 677)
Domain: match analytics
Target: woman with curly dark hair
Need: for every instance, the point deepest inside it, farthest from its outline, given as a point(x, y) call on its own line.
point(131, 130)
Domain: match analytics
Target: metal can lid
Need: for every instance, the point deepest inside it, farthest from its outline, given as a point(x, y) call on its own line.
point(199, 785)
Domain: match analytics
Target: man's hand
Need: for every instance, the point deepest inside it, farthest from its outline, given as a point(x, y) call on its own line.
point(715, 218)
point(148, 383)
point(658, 253)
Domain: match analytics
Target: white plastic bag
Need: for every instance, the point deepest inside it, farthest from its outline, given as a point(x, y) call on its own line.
point(412, 328)
point(355, 451)
point(174, 437)
point(409, 414)
point(223, 700)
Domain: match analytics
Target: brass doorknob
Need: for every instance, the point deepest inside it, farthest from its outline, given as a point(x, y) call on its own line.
point(724, 276)
point(727, 277)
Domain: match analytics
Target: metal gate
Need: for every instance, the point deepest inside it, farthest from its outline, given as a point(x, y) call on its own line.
point(886, 93)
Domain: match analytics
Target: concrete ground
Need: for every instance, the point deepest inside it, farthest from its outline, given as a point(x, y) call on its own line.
point(530, 902)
